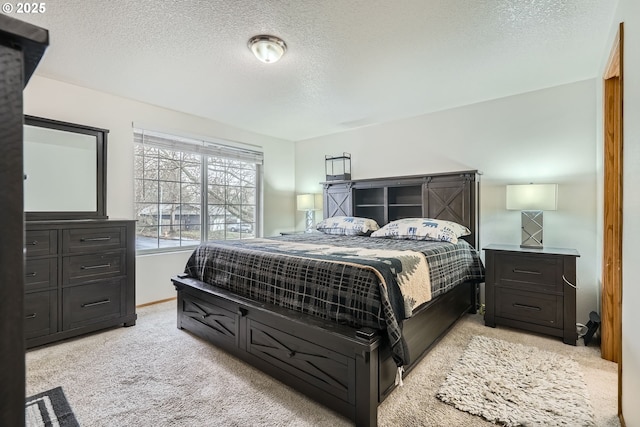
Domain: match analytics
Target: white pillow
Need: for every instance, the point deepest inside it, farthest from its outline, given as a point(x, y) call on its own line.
point(423, 229)
point(347, 225)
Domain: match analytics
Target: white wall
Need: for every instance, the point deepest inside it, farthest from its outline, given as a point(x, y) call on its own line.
point(546, 136)
point(60, 101)
point(629, 13)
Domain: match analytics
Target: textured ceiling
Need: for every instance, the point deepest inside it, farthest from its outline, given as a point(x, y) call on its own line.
point(349, 63)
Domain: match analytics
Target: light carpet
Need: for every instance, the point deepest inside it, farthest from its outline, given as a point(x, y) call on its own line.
point(517, 385)
point(153, 374)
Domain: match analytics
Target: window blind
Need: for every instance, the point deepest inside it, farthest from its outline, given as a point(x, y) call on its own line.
point(206, 148)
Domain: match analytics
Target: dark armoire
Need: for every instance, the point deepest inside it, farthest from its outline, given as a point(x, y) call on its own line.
point(21, 47)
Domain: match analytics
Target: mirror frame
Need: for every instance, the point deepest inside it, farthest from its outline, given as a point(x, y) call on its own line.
point(101, 170)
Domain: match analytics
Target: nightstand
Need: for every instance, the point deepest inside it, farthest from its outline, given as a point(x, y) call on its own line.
point(532, 289)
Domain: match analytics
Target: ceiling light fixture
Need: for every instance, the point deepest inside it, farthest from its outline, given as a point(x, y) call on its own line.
point(267, 49)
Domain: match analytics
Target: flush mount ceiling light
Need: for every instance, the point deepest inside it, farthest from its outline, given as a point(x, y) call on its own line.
point(267, 49)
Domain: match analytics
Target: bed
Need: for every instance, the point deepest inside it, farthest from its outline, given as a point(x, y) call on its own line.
point(327, 314)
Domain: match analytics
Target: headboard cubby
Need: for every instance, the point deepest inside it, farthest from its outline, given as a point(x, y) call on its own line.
point(451, 196)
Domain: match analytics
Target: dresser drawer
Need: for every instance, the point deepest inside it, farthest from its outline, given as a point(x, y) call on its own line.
point(82, 268)
point(41, 242)
point(39, 311)
point(78, 240)
point(86, 304)
point(534, 273)
point(40, 274)
point(531, 307)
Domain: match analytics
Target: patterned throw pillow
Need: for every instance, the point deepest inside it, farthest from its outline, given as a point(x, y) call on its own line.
point(347, 226)
point(423, 229)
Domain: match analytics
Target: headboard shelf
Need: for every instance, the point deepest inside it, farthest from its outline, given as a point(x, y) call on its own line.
point(452, 196)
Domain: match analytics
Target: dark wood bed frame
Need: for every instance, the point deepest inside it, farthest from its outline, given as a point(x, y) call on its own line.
point(348, 370)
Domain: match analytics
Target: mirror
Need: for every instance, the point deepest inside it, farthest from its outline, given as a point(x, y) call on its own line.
point(65, 170)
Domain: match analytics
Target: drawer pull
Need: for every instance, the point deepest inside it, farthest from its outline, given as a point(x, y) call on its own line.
point(93, 267)
point(93, 304)
point(95, 239)
point(568, 282)
point(33, 243)
point(527, 307)
point(34, 274)
point(517, 270)
point(31, 316)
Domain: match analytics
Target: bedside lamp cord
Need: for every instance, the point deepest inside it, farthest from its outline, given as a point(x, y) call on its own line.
point(581, 328)
point(568, 282)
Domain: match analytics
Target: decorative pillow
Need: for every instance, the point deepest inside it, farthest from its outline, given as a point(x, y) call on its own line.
point(423, 229)
point(347, 225)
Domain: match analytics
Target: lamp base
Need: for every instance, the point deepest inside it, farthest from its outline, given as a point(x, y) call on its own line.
point(309, 218)
point(531, 246)
point(531, 229)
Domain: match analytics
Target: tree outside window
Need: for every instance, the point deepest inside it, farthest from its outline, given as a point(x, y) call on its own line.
point(189, 191)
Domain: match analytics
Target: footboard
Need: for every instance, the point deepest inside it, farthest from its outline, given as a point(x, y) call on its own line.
point(334, 365)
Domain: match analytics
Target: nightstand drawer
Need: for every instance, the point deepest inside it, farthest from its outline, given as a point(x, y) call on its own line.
point(532, 307)
point(533, 273)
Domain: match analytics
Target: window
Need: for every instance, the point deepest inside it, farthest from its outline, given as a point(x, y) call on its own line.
point(178, 179)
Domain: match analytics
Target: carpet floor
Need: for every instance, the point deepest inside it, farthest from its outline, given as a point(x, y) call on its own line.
point(154, 374)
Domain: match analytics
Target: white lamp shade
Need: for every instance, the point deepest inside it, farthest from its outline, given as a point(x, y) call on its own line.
point(305, 202)
point(532, 197)
point(318, 201)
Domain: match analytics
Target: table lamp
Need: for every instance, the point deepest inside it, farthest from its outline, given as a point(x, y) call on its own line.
point(532, 200)
point(307, 202)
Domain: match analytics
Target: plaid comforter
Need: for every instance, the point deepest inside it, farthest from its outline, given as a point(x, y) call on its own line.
point(291, 272)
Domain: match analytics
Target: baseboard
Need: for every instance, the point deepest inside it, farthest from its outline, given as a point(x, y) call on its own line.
point(156, 302)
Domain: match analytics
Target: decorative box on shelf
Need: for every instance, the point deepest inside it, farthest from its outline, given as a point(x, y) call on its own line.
point(338, 168)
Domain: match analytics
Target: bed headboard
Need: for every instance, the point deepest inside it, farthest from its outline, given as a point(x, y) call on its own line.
point(453, 196)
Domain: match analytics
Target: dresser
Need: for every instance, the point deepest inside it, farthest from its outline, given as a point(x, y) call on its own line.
point(532, 289)
point(79, 278)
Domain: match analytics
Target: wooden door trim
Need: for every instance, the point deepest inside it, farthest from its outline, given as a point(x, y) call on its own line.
point(611, 310)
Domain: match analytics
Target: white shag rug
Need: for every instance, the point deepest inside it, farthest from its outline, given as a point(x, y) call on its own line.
point(517, 385)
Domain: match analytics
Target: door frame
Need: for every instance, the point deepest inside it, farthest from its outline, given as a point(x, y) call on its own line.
point(611, 306)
